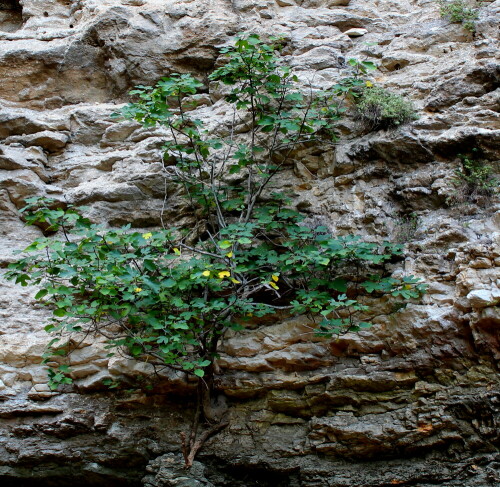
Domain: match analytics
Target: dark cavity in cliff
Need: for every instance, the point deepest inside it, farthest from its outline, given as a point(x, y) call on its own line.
point(11, 15)
point(91, 480)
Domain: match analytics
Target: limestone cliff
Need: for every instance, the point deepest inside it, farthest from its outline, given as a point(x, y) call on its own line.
point(415, 400)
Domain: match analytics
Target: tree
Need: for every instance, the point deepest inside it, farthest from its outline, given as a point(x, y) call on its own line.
point(168, 297)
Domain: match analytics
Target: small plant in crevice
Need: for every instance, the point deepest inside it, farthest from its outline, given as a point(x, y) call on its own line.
point(379, 108)
point(463, 12)
point(474, 180)
point(407, 226)
point(349, 88)
point(168, 297)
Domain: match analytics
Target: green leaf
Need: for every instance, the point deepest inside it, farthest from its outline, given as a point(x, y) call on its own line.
point(180, 326)
point(339, 285)
point(294, 96)
point(369, 65)
point(266, 120)
point(168, 283)
point(244, 241)
point(40, 294)
point(364, 325)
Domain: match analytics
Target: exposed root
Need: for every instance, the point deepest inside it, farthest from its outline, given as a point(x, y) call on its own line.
point(191, 448)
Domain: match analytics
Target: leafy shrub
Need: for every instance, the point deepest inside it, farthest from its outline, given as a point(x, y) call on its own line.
point(460, 12)
point(167, 297)
point(474, 180)
point(350, 86)
point(379, 108)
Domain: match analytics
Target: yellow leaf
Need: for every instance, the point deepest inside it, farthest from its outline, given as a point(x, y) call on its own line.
point(206, 273)
point(137, 290)
point(273, 285)
point(407, 286)
point(230, 254)
point(235, 281)
point(176, 251)
point(224, 274)
point(275, 278)
point(145, 236)
point(369, 84)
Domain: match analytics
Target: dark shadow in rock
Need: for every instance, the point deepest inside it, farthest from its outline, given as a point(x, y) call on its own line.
point(225, 475)
point(11, 15)
point(91, 480)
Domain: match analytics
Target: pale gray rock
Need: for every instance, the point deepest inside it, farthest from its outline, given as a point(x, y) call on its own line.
point(355, 32)
point(483, 298)
point(50, 141)
point(168, 471)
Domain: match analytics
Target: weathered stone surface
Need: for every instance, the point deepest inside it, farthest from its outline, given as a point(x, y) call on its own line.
point(50, 141)
point(413, 401)
point(484, 297)
point(168, 471)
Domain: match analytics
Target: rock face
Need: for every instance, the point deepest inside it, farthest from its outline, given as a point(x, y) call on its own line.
point(413, 401)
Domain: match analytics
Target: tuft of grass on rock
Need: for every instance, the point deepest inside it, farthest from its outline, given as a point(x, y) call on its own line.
point(463, 12)
point(379, 108)
point(474, 180)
